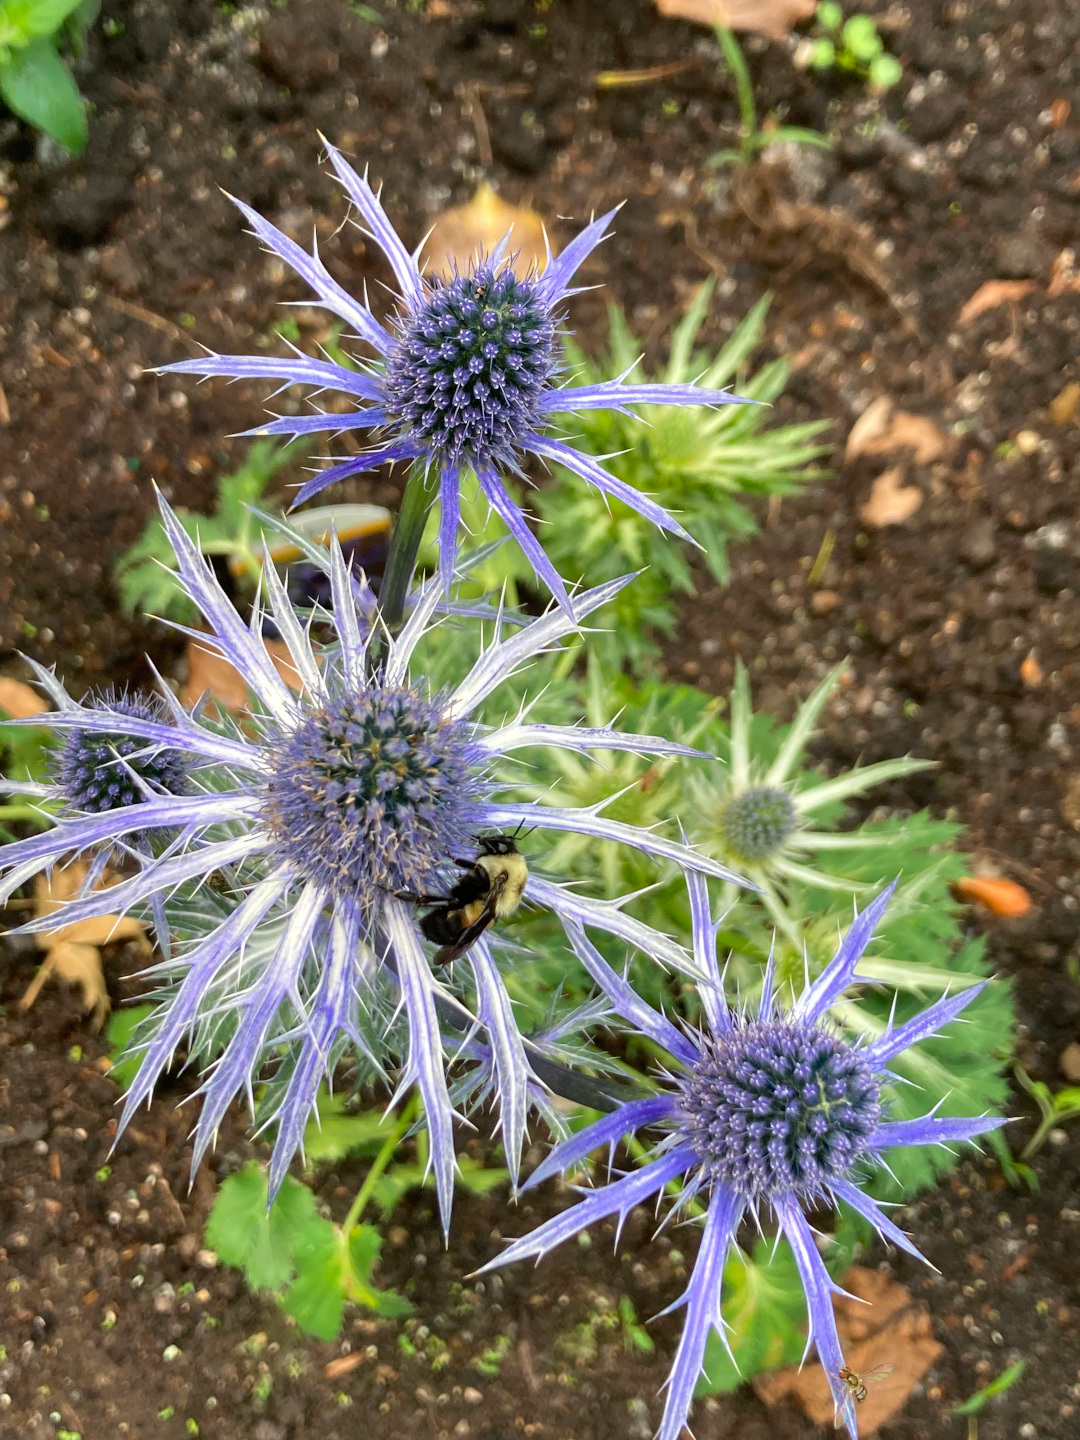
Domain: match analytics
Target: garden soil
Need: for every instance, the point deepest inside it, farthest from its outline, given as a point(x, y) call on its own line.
point(961, 622)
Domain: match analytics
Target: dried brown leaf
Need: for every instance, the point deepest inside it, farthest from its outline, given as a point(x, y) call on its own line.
point(992, 294)
point(881, 429)
point(462, 234)
point(891, 502)
point(75, 964)
point(773, 18)
point(18, 701)
point(210, 673)
point(1063, 409)
point(1064, 274)
point(882, 1325)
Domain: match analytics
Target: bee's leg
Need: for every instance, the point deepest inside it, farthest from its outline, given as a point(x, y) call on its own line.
point(414, 899)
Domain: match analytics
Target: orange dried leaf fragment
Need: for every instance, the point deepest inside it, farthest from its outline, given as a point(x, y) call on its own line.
point(1001, 897)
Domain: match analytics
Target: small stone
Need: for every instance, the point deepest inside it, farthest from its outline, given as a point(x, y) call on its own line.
point(207, 1259)
point(1059, 1137)
point(978, 545)
point(824, 602)
point(164, 1299)
point(1019, 257)
point(1070, 1062)
point(936, 116)
point(1028, 442)
point(471, 1396)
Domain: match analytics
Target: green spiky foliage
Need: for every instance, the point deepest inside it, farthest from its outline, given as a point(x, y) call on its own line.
point(705, 466)
point(145, 575)
point(808, 885)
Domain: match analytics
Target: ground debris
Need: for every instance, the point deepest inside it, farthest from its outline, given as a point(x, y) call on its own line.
point(773, 18)
point(461, 234)
point(891, 1329)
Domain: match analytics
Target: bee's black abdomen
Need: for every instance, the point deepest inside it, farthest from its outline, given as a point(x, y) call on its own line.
point(438, 927)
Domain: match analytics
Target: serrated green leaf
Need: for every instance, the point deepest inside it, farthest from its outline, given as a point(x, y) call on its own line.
point(764, 1305)
point(244, 1234)
point(37, 85)
point(365, 1245)
point(316, 1298)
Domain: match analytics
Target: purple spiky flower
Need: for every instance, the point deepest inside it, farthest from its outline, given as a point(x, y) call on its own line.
point(465, 376)
point(318, 817)
point(762, 1111)
point(94, 772)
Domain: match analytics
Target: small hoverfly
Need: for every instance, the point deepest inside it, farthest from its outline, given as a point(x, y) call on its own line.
point(855, 1384)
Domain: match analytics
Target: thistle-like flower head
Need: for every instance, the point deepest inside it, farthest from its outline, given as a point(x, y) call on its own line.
point(757, 811)
point(465, 376)
point(330, 817)
point(95, 772)
point(764, 1111)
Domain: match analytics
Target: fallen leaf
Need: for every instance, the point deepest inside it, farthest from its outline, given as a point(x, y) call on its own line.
point(891, 502)
point(18, 701)
point(615, 79)
point(992, 294)
point(1001, 897)
point(459, 236)
point(1063, 409)
point(1031, 672)
point(209, 673)
point(1070, 802)
point(334, 1369)
point(773, 18)
point(72, 952)
point(1063, 274)
point(882, 1324)
point(881, 429)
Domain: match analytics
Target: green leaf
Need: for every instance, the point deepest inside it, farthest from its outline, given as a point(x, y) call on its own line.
point(823, 55)
point(830, 15)
point(861, 38)
point(119, 1033)
point(332, 1269)
point(997, 1386)
point(37, 85)
point(766, 1311)
point(263, 1244)
point(24, 20)
point(885, 72)
point(336, 1131)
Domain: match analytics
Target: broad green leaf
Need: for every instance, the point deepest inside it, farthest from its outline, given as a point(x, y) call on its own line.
point(244, 1234)
point(365, 1245)
point(37, 85)
point(316, 1298)
point(24, 20)
point(765, 1308)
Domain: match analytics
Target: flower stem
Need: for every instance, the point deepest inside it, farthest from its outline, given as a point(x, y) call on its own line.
point(421, 489)
point(378, 1165)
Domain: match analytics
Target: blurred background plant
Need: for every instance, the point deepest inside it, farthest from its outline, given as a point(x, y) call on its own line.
point(35, 81)
point(24, 755)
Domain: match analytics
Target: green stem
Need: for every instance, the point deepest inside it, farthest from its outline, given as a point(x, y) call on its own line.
point(378, 1165)
point(421, 489)
point(744, 89)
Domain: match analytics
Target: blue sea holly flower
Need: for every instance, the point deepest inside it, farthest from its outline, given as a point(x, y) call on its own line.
point(322, 813)
point(762, 1111)
point(465, 376)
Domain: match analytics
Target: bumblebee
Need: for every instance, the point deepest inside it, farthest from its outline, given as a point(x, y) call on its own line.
point(490, 889)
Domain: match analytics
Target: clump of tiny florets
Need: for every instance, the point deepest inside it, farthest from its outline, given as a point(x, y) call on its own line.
point(102, 771)
point(775, 1107)
point(757, 822)
point(368, 793)
point(471, 367)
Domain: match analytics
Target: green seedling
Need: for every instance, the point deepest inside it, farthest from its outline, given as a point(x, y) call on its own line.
point(753, 140)
point(1056, 1107)
point(854, 46)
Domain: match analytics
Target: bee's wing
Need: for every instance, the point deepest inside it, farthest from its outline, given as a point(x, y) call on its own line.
point(472, 933)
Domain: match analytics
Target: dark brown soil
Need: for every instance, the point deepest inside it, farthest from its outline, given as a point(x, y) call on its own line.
point(128, 257)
